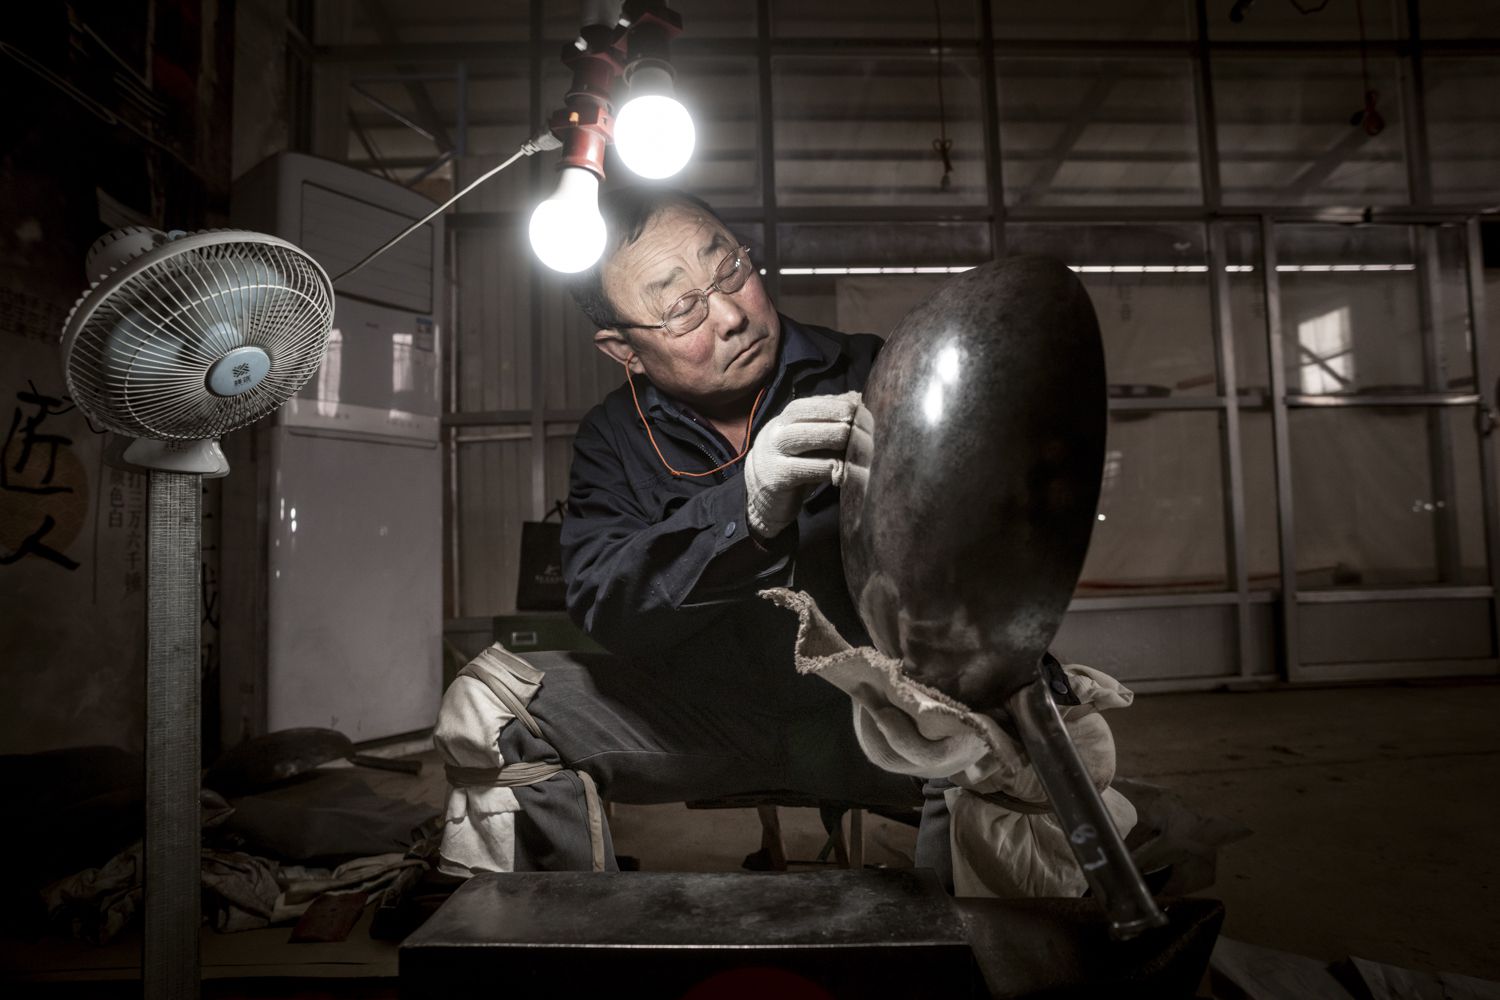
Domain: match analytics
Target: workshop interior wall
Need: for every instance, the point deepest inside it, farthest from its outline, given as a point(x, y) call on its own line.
point(821, 146)
point(75, 163)
point(72, 528)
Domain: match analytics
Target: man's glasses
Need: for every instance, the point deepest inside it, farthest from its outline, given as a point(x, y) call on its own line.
point(688, 312)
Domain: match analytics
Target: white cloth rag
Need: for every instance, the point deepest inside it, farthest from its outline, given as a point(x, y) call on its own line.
point(479, 823)
point(908, 728)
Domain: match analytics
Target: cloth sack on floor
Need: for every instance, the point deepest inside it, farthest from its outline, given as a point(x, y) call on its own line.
point(908, 728)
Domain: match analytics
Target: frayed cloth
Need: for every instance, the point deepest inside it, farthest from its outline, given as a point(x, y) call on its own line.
point(242, 892)
point(908, 728)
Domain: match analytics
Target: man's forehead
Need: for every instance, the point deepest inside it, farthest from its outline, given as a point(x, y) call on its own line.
point(673, 236)
point(683, 230)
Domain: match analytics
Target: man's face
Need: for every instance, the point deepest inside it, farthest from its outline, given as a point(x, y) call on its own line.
point(731, 354)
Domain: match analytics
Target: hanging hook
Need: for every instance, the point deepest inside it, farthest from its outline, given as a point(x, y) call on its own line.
point(942, 145)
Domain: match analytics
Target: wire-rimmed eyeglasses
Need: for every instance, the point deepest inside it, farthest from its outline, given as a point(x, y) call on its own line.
point(689, 311)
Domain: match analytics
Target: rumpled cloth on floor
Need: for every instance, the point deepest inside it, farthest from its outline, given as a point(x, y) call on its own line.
point(908, 728)
point(98, 903)
point(244, 892)
point(324, 817)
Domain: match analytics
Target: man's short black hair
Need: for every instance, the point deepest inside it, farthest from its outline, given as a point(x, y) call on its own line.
point(627, 211)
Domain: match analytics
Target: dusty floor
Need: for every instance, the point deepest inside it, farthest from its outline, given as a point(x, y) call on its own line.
point(1375, 811)
point(1375, 814)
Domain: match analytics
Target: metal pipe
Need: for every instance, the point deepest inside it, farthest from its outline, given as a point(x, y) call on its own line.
point(1097, 845)
point(1484, 416)
point(172, 858)
point(392, 112)
point(1281, 443)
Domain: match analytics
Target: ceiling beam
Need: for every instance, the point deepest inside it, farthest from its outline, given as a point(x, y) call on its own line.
point(424, 112)
point(1322, 168)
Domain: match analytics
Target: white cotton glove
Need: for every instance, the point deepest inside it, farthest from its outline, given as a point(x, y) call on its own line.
point(798, 450)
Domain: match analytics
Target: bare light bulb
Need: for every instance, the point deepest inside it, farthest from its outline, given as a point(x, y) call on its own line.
point(654, 133)
point(567, 231)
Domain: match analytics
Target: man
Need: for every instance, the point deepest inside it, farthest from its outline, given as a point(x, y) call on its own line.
point(710, 475)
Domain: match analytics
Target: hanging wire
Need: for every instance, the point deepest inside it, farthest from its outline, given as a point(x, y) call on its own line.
point(1364, 60)
point(528, 148)
point(942, 145)
point(1367, 117)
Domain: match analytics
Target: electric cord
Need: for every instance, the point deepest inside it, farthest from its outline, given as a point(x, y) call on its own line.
point(744, 445)
point(530, 147)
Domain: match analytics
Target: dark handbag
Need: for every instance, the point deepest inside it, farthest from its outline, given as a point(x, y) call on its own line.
point(540, 587)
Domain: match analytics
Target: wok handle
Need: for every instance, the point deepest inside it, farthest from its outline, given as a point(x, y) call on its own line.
point(1097, 845)
point(386, 763)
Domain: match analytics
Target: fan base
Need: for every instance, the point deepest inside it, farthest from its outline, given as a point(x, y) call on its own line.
point(205, 458)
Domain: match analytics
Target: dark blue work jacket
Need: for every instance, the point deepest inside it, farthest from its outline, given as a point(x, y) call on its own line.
point(662, 569)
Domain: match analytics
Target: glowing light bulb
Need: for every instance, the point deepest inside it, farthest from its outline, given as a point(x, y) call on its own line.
point(654, 133)
point(567, 231)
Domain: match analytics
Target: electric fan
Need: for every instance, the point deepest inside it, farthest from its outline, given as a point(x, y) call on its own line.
point(183, 338)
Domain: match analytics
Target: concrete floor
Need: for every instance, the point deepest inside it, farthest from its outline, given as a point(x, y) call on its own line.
point(1374, 813)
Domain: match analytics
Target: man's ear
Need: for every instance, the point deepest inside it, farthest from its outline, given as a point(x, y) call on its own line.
point(614, 344)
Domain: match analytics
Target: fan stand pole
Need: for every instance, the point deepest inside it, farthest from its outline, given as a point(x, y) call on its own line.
point(173, 860)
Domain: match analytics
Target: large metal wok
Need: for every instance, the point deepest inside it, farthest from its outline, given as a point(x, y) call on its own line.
point(969, 497)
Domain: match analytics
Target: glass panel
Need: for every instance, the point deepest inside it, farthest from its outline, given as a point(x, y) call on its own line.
point(1460, 19)
point(700, 18)
point(1098, 132)
point(498, 114)
point(863, 278)
point(1161, 510)
point(1386, 496)
point(842, 245)
point(418, 21)
point(1258, 468)
point(1394, 630)
point(1149, 285)
point(497, 110)
point(379, 142)
point(1463, 128)
point(1247, 309)
point(1353, 313)
point(500, 120)
point(839, 19)
point(1148, 20)
point(1305, 21)
point(1129, 644)
point(1286, 135)
point(855, 304)
point(494, 483)
point(1247, 317)
point(861, 131)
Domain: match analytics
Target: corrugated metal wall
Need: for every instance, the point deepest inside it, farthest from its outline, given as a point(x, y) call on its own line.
point(1129, 144)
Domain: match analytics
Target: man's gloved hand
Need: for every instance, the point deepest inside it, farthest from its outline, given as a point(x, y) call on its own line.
point(798, 450)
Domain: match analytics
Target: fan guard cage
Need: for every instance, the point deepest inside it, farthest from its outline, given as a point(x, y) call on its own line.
point(139, 346)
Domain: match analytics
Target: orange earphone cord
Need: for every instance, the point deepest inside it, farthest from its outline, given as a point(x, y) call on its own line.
point(744, 446)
